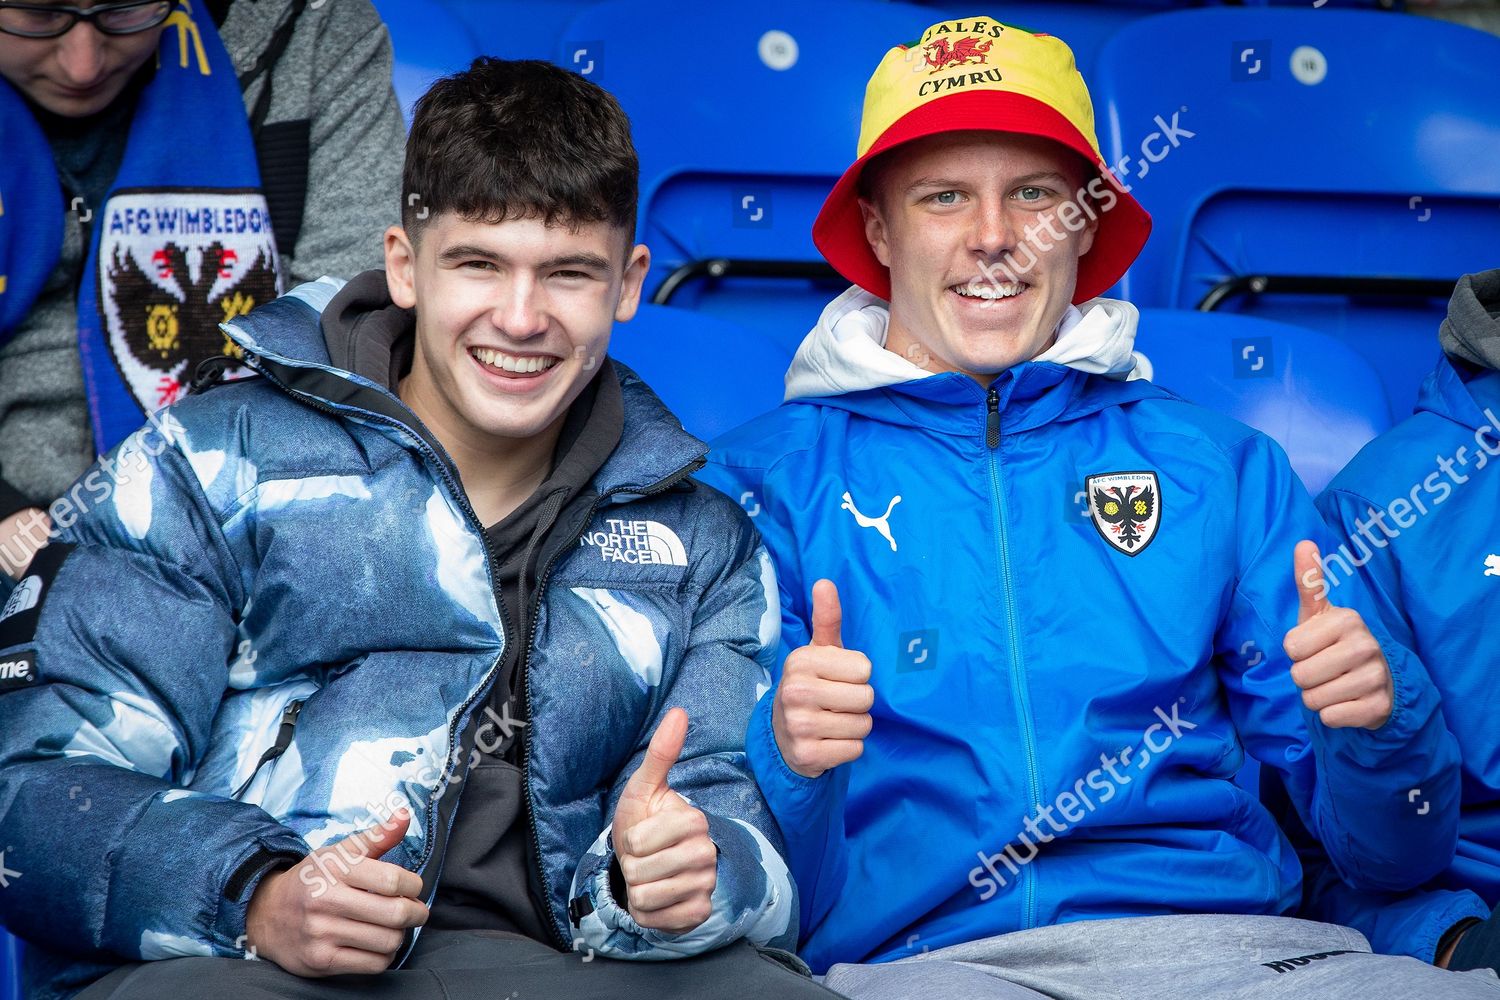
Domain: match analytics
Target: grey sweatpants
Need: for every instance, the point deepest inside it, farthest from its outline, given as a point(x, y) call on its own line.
point(1200, 956)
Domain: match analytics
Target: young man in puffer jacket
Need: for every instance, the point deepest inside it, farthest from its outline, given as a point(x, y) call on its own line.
point(426, 625)
point(1415, 512)
point(1004, 737)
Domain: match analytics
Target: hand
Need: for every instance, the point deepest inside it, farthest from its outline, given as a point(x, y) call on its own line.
point(670, 864)
point(1336, 662)
point(821, 714)
point(21, 535)
point(314, 924)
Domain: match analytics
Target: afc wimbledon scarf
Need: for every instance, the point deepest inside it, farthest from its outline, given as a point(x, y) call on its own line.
point(182, 243)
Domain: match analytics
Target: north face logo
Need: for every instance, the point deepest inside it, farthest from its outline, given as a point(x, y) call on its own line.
point(639, 542)
point(23, 598)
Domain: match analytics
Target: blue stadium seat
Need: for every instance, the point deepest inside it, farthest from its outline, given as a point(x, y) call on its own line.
point(429, 41)
point(1311, 393)
point(744, 117)
point(715, 375)
point(1084, 26)
point(10, 966)
point(1343, 171)
point(517, 29)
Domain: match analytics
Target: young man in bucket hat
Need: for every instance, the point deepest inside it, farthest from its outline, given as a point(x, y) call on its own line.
point(1003, 738)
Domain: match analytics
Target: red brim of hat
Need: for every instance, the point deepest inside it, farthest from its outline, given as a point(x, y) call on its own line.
point(839, 231)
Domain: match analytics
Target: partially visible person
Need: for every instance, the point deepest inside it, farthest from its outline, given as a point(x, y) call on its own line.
point(170, 164)
point(1418, 512)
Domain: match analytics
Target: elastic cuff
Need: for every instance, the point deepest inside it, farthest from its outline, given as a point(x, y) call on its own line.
point(765, 751)
point(255, 868)
point(268, 856)
point(1479, 948)
point(1452, 934)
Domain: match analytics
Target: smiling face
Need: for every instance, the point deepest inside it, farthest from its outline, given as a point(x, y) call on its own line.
point(80, 72)
point(982, 269)
point(513, 320)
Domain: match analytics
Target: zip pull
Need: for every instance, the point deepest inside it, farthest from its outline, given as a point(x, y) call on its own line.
point(992, 421)
point(283, 740)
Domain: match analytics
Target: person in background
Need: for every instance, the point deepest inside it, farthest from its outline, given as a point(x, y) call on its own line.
point(169, 165)
point(1416, 513)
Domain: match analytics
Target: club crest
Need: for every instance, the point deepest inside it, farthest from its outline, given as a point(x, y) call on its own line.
point(173, 265)
point(1126, 508)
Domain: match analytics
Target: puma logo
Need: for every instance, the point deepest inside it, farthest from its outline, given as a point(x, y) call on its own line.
point(1491, 563)
point(881, 524)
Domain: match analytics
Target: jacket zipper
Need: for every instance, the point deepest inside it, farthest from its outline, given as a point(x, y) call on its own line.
point(660, 486)
point(1019, 689)
point(451, 482)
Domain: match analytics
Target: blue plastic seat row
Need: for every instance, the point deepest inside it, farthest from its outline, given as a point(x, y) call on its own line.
point(1333, 168)
point(1324, 168)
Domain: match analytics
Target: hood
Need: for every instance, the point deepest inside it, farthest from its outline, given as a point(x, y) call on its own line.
point(1465, 386)
point(845, 352)
point(1471, 331)
point(368, 334)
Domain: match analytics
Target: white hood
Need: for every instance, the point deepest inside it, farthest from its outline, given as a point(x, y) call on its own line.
point(845, 352)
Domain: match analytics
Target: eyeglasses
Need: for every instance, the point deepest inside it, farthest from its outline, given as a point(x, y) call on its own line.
point(38, 20)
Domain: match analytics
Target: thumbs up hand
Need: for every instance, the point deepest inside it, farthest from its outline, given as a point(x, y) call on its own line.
point(670, 864)
point(1336, 661)
point(340, 910)
point(821, 714)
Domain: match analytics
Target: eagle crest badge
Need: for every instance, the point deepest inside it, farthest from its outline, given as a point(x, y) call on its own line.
point(1126, 508)
point(173, 265)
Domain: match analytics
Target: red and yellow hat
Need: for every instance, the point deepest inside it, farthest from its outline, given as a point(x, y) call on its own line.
point(977, 73)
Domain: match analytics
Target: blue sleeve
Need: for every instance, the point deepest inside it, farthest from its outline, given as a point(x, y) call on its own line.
point(132, 645)
point(1394, 923)
point(734, 638)
point(1411, 924)
point(809, 810)
point(1354, 788)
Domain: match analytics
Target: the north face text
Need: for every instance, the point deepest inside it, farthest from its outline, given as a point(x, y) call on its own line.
point(638, 542)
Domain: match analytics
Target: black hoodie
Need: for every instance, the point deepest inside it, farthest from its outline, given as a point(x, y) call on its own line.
point(489, 878)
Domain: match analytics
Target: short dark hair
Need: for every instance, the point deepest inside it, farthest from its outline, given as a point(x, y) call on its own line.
point(513, 139)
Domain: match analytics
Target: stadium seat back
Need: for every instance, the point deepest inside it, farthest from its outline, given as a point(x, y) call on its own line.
point(713, 374)
point(744, 117)
point(1310, 144)
point(1312, 394)
point(517, 29)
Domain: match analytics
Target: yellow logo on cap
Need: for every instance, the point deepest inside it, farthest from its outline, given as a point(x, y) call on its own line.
point(969, 54)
